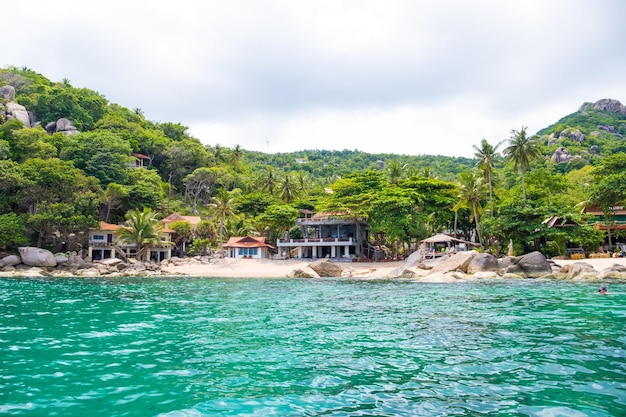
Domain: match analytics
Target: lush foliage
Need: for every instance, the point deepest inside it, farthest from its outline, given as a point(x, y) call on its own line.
point(53, 187)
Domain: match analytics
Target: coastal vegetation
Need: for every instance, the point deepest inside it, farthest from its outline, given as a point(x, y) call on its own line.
point(54, 186)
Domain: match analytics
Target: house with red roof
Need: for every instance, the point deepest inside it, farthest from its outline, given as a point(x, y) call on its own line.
point(104, 243)
point(247, 247)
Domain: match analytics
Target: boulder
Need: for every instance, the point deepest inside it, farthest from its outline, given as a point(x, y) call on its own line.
point(305, 272)
point(37, 257)
point(575, 270)
point(61, 259)
point(512, 269)
point(17, 111)
point(610, 105)
point(109, 261)
point(534, 265)
point(482, 262)
point(614, 271)
point(573, 134)
point(7, 92)
point(76, 260)
point(326, 268)
point(10, 260)
point(456, 262)
point(561, 155)
point(401, 272)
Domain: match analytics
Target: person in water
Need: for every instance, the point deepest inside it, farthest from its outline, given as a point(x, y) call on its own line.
point(602, 290)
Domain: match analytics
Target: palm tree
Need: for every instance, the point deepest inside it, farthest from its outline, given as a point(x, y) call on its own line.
point(267, 180)
point(143, 229)
point(522, 150)
point(223, 206)
point(471, 193)
point(288, 188)
point(395, 172)
point(487, 157)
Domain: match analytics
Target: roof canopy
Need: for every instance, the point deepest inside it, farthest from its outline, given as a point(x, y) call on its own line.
point(442, 237)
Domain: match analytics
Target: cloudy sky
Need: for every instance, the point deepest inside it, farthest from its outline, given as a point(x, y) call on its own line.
point(384, 76)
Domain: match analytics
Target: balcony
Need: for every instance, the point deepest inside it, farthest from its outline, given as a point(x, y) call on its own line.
point(326, 241)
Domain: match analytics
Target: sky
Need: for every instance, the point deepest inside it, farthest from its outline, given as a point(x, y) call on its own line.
point(382, 76)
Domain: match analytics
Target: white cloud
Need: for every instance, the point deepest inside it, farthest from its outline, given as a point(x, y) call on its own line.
point(379, 76)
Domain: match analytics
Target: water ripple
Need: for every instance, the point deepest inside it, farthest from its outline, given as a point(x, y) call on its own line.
point(327, 347)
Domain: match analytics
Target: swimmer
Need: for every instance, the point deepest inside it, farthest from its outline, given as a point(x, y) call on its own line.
point(602, 290)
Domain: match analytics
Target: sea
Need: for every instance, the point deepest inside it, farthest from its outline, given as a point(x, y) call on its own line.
point(185, 346)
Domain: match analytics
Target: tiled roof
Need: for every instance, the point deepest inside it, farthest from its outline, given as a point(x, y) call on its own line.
point(246, 242)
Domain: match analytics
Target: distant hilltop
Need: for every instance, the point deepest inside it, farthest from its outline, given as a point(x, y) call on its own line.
point(606, 104)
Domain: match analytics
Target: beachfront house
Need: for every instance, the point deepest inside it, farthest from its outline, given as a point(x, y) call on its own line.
point(615, 222)
point(247, 247)
point(104, 243)
point(331, 235)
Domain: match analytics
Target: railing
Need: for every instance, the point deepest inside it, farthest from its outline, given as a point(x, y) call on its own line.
point(346, 240)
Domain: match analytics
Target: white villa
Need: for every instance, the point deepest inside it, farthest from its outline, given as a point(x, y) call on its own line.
point(327, 235)
point(103, 244)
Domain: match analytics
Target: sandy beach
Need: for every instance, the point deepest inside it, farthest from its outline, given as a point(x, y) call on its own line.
point(268, 268)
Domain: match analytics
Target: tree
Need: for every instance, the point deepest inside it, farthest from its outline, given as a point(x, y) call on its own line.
point(471, 192)
point(288, 188)
point(487, 156)
point(267, 180)
point(609, 186)
point(200, 183)
point(395, 172)
point(223, 206)
point(102, 154)
point(113, 197)
point(184, 233)
point(522, 150)
point(277, 219)
point(11, 232)
point(145, 189)
point(142, 228)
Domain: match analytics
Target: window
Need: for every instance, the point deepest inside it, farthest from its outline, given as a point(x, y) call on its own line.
point(98, 237)
point(248, 251)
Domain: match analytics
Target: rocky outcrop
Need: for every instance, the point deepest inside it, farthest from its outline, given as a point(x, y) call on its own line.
point(401, 272)
point(37, 257)
point(573, 134)
point(612, 130)
point(561, 155)
point(577, 270)
point(7, 92)
point(305, 272)
point(10, 260)
point(19, 112)
point(326, 268)
point(62, 125)
point(535, 265)
point(609, 105)
point(615, 271)
point(456, 262)
point(482, 262)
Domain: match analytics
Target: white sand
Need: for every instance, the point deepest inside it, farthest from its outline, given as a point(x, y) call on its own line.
point(598, 263)
point(266, 268)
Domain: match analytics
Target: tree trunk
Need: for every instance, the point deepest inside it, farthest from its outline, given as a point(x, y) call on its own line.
point(474, 208)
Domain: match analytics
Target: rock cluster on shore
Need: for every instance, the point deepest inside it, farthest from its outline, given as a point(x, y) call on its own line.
point(36, 262)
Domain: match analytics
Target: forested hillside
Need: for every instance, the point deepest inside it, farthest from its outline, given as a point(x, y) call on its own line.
point(69, 157)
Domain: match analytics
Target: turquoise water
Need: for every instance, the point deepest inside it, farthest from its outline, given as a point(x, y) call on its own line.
point(320, 347)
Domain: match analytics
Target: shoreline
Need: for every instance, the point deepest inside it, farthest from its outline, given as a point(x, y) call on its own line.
point(280, 268)
point(284, 268)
